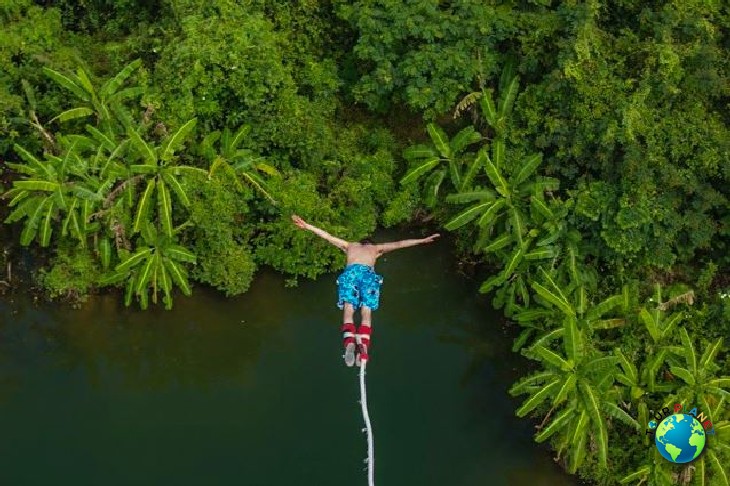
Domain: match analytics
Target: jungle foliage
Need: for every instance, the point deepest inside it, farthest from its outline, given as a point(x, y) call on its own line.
point(579, 152)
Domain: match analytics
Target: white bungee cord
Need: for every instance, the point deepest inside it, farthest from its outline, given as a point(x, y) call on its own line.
point(368, 428)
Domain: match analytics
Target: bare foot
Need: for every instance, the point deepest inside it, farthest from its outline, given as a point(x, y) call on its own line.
point(349, 355)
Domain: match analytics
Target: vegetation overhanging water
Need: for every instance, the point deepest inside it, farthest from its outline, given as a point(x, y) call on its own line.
point(579, 152)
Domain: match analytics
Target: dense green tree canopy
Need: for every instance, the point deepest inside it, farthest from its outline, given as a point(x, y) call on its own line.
point(579, 152)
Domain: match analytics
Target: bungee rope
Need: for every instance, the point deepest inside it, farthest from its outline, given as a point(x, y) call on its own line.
point(368, 428)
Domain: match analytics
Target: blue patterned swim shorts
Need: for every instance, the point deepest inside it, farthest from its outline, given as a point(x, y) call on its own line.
point(359, 285)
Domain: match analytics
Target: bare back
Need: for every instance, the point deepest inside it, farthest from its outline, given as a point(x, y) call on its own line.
point(363, 254)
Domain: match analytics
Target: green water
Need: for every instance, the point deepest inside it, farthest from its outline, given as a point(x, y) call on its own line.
point(252, 390)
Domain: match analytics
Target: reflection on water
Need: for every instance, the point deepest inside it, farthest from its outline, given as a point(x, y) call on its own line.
point(201, 342)
point(252, 390)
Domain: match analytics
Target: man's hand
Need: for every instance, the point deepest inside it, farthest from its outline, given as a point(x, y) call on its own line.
point(299, 222)
point(430, 239)
point(338, 242)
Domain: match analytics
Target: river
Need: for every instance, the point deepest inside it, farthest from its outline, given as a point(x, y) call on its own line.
point(252, 390)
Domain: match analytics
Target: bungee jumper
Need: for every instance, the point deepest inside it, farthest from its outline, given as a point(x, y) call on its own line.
point(358, 288)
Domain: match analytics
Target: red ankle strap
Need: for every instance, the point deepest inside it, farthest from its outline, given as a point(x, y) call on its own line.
point(364, 330)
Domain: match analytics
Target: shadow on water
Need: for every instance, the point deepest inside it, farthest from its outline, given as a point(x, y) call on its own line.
point(252, 390)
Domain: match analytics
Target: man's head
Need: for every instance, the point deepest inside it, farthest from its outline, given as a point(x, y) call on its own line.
point(367, 241)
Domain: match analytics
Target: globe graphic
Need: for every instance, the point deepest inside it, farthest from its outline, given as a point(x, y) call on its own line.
point(652, 424)
point(680, 438)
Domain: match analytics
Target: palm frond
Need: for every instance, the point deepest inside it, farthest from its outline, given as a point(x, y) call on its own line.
point(133, 260)
point(614, 411)
point(500, 184)
point(177, 139)
point(418, 151)
point(439, 139)
point(599, 427)
point(111, 86)
point(531, 380)
point(567, 387)
point(164, 206)
point(529, 165)
point(466, 102)
point(488, 109)
point(557, 424)
point(180, 253)
point(142, 206)
point(535, 400)
point(72, 114)
point(178, 276)
point(508, 96)
point(467, 216)
point(67, 83)
point(467, 136)
point(420, 169)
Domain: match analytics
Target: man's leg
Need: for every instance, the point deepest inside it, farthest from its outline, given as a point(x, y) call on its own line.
point(370, 302)
point(363, 333)
point(348, 313)
point(366, 316)
point(348, 300)
point(348, 333)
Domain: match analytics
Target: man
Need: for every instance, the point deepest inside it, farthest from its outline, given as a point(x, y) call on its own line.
point(358, 286)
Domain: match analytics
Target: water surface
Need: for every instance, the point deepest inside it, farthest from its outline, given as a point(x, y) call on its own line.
point(252, 390)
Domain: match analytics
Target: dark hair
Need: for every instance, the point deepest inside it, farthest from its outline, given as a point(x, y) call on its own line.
point(367, 241)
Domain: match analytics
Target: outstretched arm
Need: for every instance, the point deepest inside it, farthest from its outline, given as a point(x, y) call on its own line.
point(338, 242)
point(396, 245)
